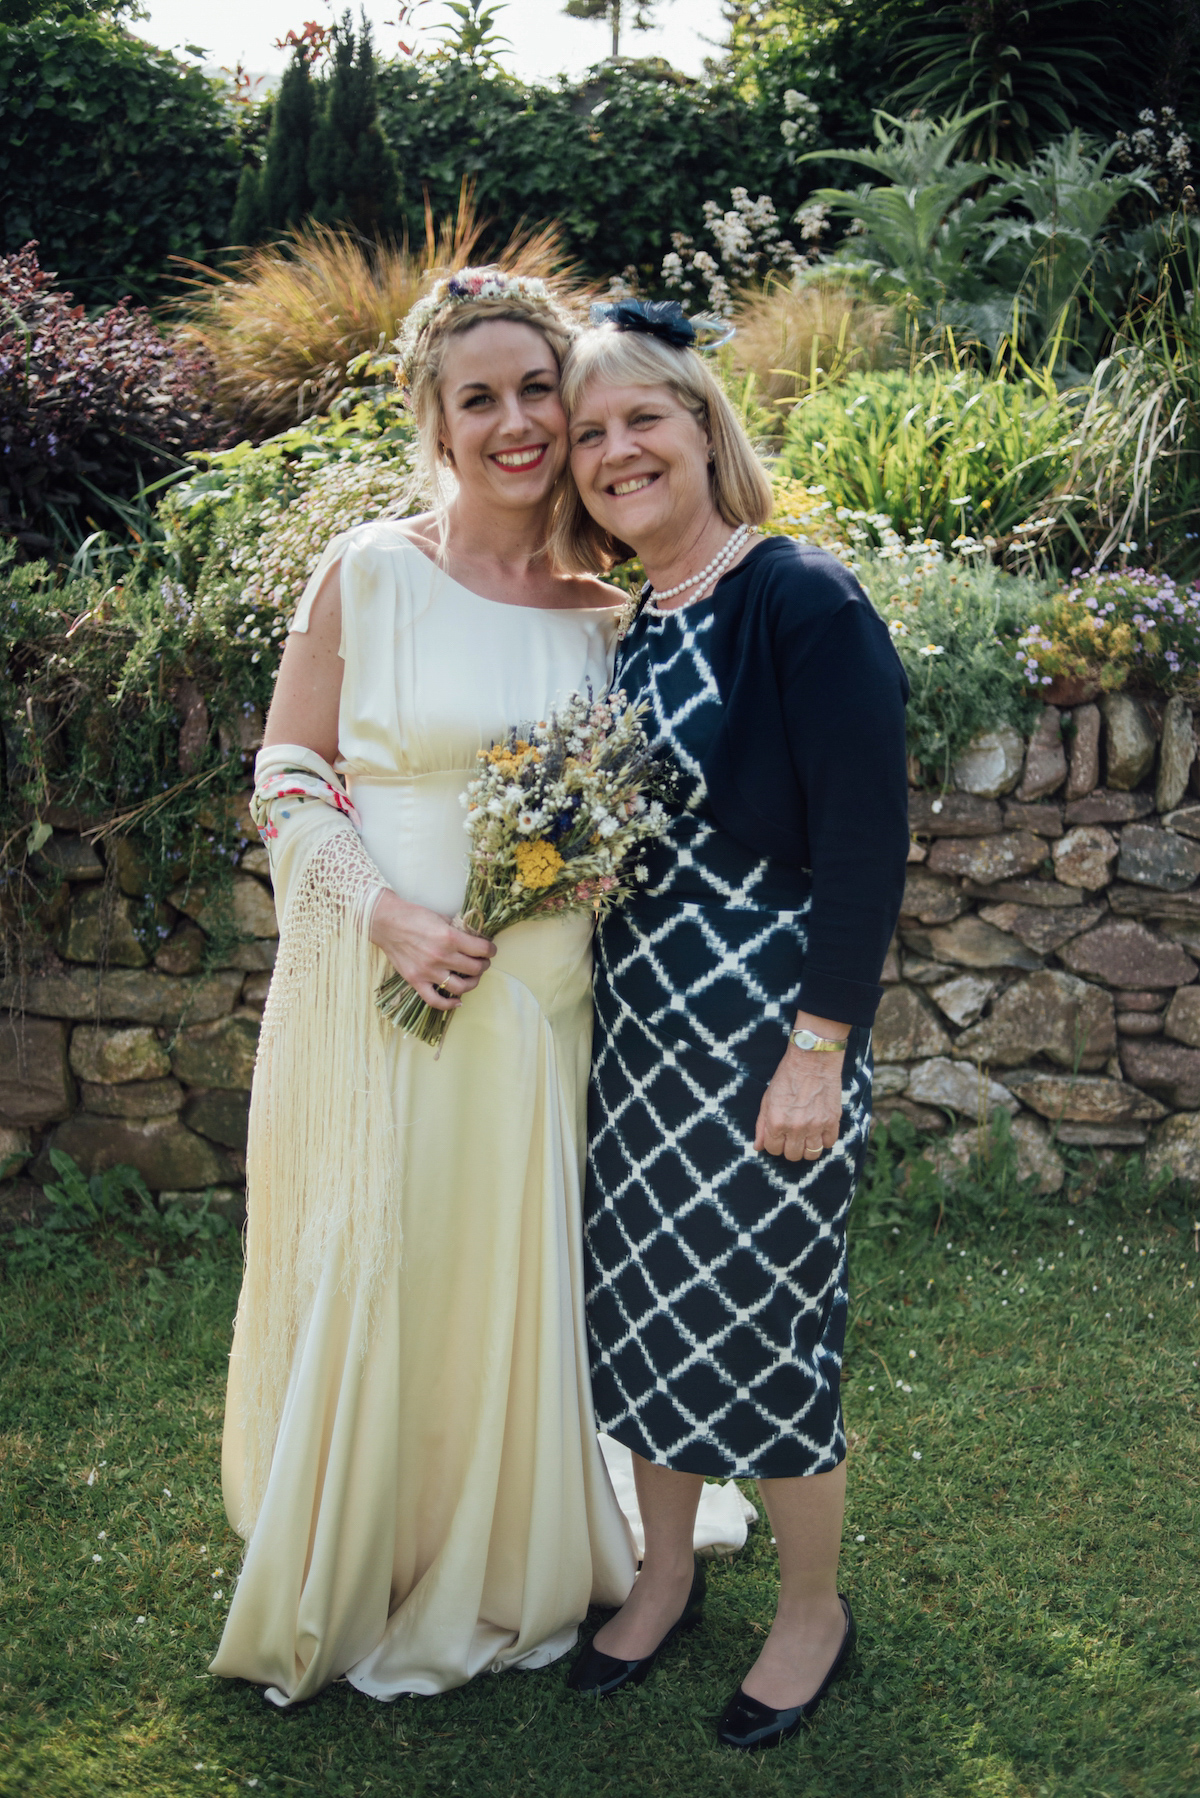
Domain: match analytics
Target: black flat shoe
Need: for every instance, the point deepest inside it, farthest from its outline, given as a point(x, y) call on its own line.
point(600, 1675)
point(748, 1724)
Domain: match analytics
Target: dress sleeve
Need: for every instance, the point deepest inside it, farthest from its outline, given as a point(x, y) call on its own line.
point(844, 715)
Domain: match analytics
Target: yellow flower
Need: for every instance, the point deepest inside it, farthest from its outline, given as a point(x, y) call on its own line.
point(537, 863)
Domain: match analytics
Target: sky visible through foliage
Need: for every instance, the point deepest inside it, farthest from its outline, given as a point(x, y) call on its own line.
point(544, 41)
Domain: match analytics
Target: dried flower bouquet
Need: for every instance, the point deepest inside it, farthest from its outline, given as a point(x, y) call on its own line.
point(555, 815)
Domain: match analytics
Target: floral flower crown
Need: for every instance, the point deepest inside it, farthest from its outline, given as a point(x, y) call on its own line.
point(456, 290)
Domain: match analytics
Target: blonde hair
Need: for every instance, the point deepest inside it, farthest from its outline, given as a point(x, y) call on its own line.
point(741, 490)
point(425, 357)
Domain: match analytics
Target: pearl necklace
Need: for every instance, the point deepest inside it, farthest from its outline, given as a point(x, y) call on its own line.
point(714, 570)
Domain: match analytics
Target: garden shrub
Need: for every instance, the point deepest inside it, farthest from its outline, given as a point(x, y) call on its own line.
point(91, 410)
point(113, 156)
point(942, 453)
point(1127, 628)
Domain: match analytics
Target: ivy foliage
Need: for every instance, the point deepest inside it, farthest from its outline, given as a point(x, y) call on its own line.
point(618, 161)
point(113, 156)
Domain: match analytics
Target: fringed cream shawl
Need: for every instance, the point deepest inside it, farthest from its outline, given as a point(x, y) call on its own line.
point(321, 1166)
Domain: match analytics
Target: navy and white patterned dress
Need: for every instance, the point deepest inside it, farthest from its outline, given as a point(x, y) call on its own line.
point(716, 1275)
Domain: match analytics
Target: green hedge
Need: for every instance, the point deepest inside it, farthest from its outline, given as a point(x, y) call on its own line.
point(113, 157)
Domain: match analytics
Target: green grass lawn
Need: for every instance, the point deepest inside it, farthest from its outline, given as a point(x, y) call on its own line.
point(1021, 1546)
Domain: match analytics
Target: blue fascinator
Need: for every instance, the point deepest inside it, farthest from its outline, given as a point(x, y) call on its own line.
point(665, 319)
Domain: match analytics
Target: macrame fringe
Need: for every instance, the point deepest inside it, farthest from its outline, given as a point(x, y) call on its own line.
point(322, 1172)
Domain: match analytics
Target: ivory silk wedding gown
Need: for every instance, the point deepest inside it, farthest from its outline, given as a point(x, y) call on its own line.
point(410, 1446)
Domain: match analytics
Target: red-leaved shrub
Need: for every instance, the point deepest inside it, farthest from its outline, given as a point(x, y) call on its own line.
point(91, 409)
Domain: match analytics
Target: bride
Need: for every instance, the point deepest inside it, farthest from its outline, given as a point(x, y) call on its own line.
point(410, 1448)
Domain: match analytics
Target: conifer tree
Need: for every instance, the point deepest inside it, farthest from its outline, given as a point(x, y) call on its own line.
point(352, 170)
point(248, 223)
point(286, 195)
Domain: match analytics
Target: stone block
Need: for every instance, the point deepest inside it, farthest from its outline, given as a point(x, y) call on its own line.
point(124, 996)
point(136, 1099)
point(916, 851)
point(1082, 1098)
point(1150, 902)
point(69, 858)
point(987, 859)
point(1138, 1001)
point(1109, 808)
point(952, 815)
point(991, 764)
point(957, 1088)
point(1176, 753)
point(1182, 1020)
point(907, 1027)
point(1042, 930)
point(252, 905)
point(164, 1153)
point(16, 1148)
point(1045, 760)
point(920, 972)
point(99, 928)
point(256, 861)
point(1048, 894)
point(1158, 858)
point(963, 998)
point(1040, 820)
point(1175, 1149)
point(131, 865)
point(887, 1080)
point(888, 975)
point(101, 1053)
point(930, 897)
point(1186, 820)
point(1124, 954)
point(219, 1054)
point(183, 951)
point(222, 1116)
point(1129, 741)
point(1142, 1023)
point(244, 734)
point(257, 986)
point(228, 1202)
point(233, 813)
point(1084, 857)
point(257, 957)
point(1101, 1136)
point(926, 1118)
point(1083, 774)
point(970, 943)
point(1069, 1021)
point(35, 1085)
point(1037, 1158)
point(1168, 1070)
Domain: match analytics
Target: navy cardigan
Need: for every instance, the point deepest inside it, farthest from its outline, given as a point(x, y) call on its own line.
point(809, 763)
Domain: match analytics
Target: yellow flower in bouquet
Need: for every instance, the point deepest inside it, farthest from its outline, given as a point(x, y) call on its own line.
point(537, 863)
point(555, 816)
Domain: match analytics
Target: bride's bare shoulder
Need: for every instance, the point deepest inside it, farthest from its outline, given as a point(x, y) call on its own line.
point(589, 593)
point(421, 529)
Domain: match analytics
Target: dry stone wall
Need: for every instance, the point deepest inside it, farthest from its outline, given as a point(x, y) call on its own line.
point(1046, 960)
point(116, 1054)
point(1045, 964)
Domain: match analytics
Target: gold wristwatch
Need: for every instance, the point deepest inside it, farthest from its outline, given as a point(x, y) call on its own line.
point(808, 1039)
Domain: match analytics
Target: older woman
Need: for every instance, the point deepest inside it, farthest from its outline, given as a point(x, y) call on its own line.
point(730, 1094)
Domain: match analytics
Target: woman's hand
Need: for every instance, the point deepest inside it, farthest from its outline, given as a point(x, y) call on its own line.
point(801, 1111)
point(429, 950)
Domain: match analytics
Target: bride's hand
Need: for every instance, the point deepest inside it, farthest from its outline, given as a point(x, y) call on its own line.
point(429, 950)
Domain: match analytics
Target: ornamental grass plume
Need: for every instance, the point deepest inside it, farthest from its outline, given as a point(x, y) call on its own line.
point(555, 816)
point(793, 338)
point(285, 322)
